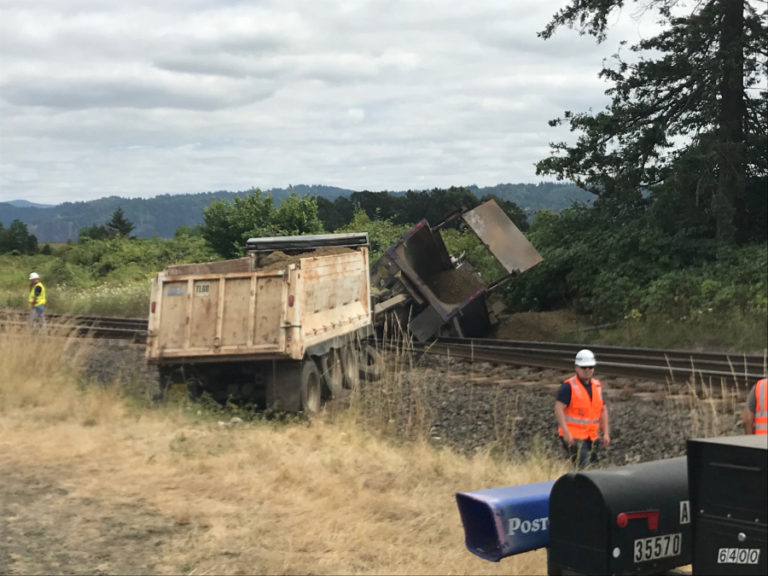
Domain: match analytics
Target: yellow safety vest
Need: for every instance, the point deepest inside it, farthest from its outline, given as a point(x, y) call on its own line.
point(40, 299)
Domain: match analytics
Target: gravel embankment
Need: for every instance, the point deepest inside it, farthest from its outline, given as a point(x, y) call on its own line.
point(506, 409)
point(511, 409)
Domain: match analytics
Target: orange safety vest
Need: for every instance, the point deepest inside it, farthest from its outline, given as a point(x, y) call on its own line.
point(582, 415)
point(761, 406)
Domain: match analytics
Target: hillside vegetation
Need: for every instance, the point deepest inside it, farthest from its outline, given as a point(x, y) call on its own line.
point(163, 214)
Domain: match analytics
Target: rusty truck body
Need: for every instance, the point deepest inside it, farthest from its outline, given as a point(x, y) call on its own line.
point(281, 327)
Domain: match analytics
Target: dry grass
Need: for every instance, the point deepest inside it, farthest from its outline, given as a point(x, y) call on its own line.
point(325, 497)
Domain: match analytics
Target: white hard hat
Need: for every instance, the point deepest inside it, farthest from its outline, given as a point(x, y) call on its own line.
point(34, 276)
point(585, 358)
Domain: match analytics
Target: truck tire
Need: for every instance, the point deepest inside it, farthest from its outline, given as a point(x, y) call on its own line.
point(350, 362)
point(333, 373)
point(372, 363)
point(311, 388)
point(158, 385)
point(195, 388)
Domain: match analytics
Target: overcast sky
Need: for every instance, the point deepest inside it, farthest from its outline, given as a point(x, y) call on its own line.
point(139, 98)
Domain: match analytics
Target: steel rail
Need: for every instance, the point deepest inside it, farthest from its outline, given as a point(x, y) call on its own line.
point(134, 329)
point(655, 364)
point(652, 363)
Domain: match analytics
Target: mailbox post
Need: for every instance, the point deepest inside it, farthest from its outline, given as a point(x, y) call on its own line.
point(729, 497)
point(633, 520)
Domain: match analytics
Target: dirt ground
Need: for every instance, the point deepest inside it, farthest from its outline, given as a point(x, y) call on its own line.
point(45, 529)
point(539, 326)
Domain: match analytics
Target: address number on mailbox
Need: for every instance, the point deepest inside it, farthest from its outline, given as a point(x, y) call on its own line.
point(658, 547)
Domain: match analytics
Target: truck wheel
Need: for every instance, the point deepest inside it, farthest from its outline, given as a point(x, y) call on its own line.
point(333, 373)
point(159, 385)
point(350, 362)
point(311, 388)
point(195, 388)
point(373, 363)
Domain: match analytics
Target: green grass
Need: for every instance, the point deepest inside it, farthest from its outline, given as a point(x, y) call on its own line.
point(735, 332)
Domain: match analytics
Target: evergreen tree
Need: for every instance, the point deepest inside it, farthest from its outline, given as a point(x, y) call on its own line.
point(17, 238)
point(118, 225)
point(687, 120)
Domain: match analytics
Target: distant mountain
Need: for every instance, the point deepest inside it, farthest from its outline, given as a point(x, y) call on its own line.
point(162, 215)
point(27, 204)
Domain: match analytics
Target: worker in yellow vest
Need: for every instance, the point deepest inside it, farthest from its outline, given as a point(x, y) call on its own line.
point(581, 412)
point(755, 414)
point(36, 300)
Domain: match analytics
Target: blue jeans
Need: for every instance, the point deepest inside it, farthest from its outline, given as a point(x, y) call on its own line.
point(37, 314)
point(583, 453)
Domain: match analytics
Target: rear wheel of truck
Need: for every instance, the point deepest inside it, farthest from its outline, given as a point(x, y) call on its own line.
point(311, 388)
point(333, 374)
point(350, 362)
point(372, 363)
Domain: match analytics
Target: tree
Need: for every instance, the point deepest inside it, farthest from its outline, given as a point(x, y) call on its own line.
point(118, 225)
point(297, 215)
point(94, 232)
point(17, 238)
point(228, 225)
point(690, 113)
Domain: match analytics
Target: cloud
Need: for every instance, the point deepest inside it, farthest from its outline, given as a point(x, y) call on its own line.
point(141, 98)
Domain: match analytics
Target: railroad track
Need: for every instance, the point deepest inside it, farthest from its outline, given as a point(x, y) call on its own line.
point(654, 364)
point(134, 329)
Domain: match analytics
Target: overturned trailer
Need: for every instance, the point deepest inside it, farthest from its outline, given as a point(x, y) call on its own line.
point(429, 293)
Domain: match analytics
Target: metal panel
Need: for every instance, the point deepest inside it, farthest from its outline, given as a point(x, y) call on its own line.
point(173, 315)
point(268, 310)
point(204, 312)
point(729, 501)
point(335, 299)
point(504, 240)
point(234, 323)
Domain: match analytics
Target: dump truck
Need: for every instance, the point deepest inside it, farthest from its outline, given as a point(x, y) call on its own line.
point(286, 326)
point(430, 293)
point(283, 327)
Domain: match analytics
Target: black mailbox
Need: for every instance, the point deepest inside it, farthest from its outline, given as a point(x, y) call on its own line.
point(629, 520)
point(729, 501)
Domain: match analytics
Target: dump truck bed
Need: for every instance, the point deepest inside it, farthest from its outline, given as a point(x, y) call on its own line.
point(262, 307)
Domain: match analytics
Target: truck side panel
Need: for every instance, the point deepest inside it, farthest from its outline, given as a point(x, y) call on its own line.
point(335, 296)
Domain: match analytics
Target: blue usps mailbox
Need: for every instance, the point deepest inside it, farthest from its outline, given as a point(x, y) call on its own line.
point(501, 522)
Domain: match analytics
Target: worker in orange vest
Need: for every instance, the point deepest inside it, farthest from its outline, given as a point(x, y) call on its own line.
point(581, 412)
point(755, 414)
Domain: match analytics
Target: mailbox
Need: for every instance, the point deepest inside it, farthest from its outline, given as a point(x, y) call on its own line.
point(633, 520)
point(505, 521)
point(729, 502)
